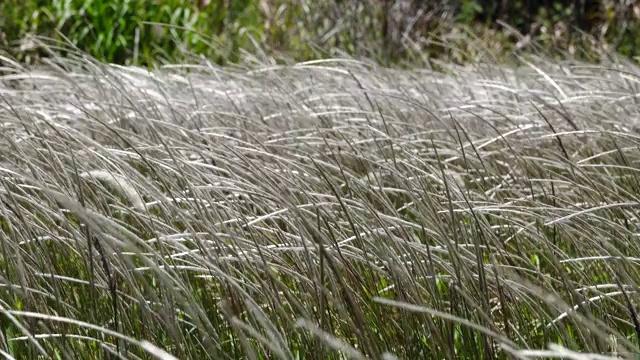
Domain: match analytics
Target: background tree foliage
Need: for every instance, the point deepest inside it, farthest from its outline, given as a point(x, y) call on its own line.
point(390, 31)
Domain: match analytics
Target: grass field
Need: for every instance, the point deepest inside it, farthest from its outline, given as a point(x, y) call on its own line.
point(328, 210)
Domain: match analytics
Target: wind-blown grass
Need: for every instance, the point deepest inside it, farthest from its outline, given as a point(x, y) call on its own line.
point(329, 209)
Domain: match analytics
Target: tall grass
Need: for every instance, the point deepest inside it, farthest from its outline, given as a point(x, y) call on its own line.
point(328, 210)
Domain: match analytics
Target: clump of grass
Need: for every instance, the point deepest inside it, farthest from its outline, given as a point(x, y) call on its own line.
point(331, 209)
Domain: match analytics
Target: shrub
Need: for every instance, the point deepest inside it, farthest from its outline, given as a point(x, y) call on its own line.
point(407, 32)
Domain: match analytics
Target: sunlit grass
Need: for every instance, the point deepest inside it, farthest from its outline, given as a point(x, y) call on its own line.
point(324, 210)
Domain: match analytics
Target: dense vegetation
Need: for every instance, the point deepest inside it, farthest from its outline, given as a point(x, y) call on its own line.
point(409, 31)
point(324, 209)
point(330, 208)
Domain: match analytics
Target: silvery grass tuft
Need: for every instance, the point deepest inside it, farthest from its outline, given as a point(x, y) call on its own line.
point(329, 209)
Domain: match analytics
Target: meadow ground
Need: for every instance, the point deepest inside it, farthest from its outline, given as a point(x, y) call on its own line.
point(327, 210)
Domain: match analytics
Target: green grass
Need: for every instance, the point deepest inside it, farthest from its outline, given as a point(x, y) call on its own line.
point(406, 33)
point(331, 209)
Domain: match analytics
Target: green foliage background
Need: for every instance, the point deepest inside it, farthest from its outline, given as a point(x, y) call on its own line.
point(390, 31)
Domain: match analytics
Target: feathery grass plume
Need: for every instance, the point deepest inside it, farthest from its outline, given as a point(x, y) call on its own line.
point(119, 183)
point(332, 208)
